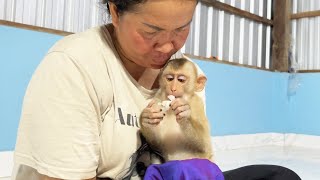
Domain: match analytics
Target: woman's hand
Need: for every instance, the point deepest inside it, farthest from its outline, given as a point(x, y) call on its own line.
point(152, 114)
point(181, 108)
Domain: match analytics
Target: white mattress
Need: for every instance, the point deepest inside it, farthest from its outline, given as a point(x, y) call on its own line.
point(301, 153)
point(304, 161)
point(301, 157)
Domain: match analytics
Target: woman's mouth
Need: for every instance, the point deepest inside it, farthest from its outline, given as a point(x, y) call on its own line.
point(161, 59)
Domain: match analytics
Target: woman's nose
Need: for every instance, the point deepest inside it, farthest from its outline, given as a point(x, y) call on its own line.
point(165, 47)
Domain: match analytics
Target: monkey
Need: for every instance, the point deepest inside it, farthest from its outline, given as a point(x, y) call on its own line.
point(180, 138)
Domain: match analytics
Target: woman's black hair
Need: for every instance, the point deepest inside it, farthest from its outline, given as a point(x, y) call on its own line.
point(123, 5)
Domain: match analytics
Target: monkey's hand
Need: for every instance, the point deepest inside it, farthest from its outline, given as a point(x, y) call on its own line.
point(181, 108)
point(166, 103)
point(152, 114)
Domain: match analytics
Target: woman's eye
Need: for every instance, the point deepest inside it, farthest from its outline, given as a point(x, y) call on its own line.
point(149, 34)
point(181, 30)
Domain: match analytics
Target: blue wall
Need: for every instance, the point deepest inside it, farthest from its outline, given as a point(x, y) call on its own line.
point(239, 100)
point(304, 109)
point(20, 53)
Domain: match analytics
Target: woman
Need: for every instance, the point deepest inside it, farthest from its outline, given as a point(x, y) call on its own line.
point(81, 108)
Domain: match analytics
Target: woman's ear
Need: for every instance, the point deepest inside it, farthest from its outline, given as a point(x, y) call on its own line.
point(114, 14)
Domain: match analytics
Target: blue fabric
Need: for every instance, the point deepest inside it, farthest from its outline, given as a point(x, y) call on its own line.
point(190, 169)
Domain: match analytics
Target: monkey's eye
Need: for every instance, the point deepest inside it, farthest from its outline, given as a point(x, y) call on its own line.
point(182, 79)
point(169, 77)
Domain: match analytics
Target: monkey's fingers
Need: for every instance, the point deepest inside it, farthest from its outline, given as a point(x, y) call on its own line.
point(156, 115)
point(156, 109)
point(183, 115)
point(152, 117)
point(151, 103)
point(180, 108)
point(183, 112)
point(149, 110)
point(147, 121)
point(177, 103)
point(154, 121)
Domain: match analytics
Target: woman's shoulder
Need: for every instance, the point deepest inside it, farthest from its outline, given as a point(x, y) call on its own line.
point(82, 42)
point(86, 49)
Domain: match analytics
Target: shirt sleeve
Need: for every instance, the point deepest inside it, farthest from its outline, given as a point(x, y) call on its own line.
point(59, 128)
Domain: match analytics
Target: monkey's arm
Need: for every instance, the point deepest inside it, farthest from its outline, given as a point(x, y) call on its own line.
point(149, 120)
point(147, 130)
point(196, 127)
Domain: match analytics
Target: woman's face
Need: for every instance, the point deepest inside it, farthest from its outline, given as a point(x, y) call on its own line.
point(152, 33)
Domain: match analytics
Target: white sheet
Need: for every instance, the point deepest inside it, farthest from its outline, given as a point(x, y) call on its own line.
point(302, 157)
point(301, 153)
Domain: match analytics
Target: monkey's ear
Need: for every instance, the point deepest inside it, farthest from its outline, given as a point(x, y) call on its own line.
point(201, 82)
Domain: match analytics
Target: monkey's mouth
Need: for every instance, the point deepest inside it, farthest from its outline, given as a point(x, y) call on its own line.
point(176, 95)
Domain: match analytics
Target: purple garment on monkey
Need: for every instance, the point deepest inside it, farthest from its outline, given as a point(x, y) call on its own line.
point(190, 169)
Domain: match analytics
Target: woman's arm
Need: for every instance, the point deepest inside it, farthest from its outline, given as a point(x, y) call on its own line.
point(59, 127)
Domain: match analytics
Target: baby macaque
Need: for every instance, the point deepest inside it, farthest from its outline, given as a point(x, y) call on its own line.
point(179, 138)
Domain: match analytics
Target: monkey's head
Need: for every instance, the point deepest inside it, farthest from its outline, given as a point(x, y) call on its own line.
point(180, 78)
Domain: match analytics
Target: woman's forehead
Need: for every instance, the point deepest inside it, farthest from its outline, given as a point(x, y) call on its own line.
point(165, 15)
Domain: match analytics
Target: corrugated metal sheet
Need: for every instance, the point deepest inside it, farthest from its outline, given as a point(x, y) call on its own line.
point(66, 15)
point(306, 36)
point(213, 32)
point(230, 37)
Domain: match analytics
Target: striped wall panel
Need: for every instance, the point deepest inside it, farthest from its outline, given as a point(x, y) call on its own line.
point(230, 37)
point(306, 36)
point(213, 32)
point(66, 15)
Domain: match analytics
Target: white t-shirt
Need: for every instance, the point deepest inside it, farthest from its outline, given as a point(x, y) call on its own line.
point(80, 113)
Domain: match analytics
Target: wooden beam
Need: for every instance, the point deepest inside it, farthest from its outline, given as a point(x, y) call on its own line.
point(309, 71)
point(34, 28)
point(281, 35)
point(305, 14)
point(221, 61)
point(237, 11)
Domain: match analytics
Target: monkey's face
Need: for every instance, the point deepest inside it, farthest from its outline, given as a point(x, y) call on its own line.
point(175, 84)
point(178, 81)
point(180, 78)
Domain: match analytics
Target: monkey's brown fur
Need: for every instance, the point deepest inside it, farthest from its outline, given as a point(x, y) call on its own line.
point(184, 138)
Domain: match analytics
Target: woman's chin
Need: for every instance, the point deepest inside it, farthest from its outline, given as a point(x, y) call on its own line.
point(157, 66)
point(159, 63)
